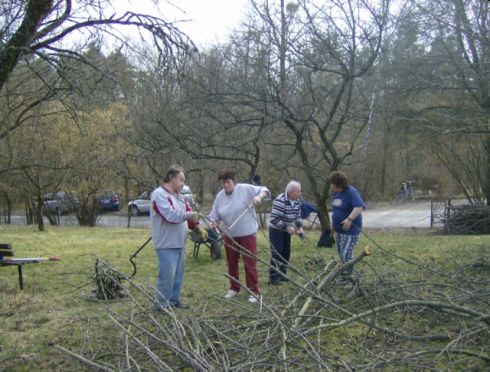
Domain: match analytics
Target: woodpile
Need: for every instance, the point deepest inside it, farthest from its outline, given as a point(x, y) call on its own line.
point(467, 219)
point(421, 319)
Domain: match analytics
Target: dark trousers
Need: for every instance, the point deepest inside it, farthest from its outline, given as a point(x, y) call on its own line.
point(280, 252)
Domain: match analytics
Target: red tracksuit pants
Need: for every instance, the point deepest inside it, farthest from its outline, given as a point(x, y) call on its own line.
point(235, 247)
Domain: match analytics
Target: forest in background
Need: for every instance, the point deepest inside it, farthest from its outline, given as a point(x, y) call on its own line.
point(385, 93)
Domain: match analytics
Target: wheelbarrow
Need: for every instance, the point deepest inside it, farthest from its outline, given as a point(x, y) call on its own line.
point(213, 242)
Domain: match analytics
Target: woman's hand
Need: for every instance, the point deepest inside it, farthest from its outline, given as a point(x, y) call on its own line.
point(257, 200)
point(346, 224)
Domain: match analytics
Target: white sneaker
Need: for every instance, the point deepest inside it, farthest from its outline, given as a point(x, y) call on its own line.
point(230, 294)
point(252, 299)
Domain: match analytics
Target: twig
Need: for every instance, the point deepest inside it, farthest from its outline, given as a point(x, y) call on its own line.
point(84, 360)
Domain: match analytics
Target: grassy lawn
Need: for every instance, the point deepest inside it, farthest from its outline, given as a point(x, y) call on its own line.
point(54, 307)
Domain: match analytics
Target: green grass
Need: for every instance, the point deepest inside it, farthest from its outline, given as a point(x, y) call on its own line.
point(54, 306)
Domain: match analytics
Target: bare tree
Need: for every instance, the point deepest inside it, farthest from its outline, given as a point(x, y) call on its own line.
point(458, 36)
point(194, 119)
point(312, 100)
point(31, 30)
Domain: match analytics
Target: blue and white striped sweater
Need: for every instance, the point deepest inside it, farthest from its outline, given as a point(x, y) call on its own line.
point(285, 213)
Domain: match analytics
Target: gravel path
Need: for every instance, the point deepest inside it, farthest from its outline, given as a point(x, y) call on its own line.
point(406, 215)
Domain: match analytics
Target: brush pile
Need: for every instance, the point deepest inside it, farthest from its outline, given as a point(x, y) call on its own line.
point(108, 281)
point(467, 219)
point(421, 319)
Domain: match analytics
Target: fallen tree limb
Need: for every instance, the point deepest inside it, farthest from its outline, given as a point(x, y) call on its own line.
point(328, 279)
point(431, 304)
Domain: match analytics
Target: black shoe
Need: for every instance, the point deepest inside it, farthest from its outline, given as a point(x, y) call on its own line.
point(180, 305)
point(159, 309)
point(284, 279)
point(274, 282)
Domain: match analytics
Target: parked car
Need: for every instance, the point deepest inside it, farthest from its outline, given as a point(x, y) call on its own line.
point(141, 205)
point(60, 202)
point(187, 194)
point(108, 201)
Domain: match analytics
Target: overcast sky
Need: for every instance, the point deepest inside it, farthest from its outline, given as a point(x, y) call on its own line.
point(209, 20)
point(212, 20)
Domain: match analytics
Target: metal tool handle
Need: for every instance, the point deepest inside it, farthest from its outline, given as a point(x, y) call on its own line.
point(240, 216)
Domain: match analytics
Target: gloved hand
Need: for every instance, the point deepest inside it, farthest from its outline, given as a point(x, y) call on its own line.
point(192, 216)
point(203, 234)
point(301, 233)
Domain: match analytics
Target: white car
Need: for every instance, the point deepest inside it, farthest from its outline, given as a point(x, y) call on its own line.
point(187, 194)
point(141, 205)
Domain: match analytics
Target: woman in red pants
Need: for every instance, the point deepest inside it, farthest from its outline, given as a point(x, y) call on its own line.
point(234, 207)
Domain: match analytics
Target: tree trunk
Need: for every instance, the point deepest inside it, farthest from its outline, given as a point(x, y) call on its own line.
point(486, 185)
point(200, 192)
point(29, 209)
point(8, 211)
point(255, 165)
point(38, 211)
point(126, 199)
point(384, 162)
point(35, 13)
point(323, 216)
point(282, 52)
point(365, 146)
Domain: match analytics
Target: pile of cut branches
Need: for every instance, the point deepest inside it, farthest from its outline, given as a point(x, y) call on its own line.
point(108, 281)
point(467, 219)
point(430, 320)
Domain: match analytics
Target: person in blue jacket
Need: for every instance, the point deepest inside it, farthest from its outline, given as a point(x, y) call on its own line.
point(347, 207)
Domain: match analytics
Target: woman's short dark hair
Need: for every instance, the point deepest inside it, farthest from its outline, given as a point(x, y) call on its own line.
point(172, 172)
point(225, 175)
point(339, 179)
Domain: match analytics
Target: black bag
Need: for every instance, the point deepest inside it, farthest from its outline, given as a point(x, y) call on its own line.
point(326, 239)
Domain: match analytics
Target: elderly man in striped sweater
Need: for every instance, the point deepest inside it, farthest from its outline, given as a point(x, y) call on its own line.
point(285, 220)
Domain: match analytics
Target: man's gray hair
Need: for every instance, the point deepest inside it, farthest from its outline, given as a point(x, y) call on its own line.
point(292, 185)
point(172, 172)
